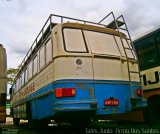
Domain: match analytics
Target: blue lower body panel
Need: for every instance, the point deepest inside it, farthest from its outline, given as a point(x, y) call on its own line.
point(89, 97)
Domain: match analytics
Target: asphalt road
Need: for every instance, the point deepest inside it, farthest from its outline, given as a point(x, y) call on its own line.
point(103, 127)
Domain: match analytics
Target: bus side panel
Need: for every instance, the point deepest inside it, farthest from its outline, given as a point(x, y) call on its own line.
point(151, 82)
point(150, 78)
point(42, 108)
point(47, 104)
point(44, 78)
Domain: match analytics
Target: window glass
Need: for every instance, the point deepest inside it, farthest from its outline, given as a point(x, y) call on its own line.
point(22, 78)
point(35, 65)
point(102, 43)
point(30, 70)
point(16, 88)
point(118, 40)
point(42, 57)
point(19, 82)
point(147, 53)
point(48, 51)
point(25, 76)
point(74, 41)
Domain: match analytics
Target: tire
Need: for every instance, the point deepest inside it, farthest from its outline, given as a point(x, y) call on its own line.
point(35, 124)
point(80, 123)
point(31, 123)
point(16, 121)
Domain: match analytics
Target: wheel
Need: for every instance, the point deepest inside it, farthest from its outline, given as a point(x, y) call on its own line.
point(80, 122)
point(32, 124)
point(16, 121)
point(35, 124)
point(152, 112)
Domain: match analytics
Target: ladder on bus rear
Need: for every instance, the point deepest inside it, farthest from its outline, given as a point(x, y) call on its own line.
point(119, 24)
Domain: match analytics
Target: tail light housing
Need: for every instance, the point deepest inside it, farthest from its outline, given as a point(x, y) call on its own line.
point(65, 92)
point(139, 92)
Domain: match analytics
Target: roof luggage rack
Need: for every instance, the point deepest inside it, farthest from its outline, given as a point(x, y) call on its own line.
point(117, 24)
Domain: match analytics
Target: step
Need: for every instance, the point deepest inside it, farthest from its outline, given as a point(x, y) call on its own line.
point(128, 48)
point(134, 72)
point(112, 25)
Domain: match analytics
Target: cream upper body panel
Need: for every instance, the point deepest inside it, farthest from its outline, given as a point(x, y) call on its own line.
point(100, 50)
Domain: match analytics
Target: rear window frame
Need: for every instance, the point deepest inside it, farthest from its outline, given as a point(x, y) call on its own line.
point(64, 42)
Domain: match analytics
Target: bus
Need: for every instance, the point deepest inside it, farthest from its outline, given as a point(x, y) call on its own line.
point(77, 70)
point(3, 83)
point(148, 51)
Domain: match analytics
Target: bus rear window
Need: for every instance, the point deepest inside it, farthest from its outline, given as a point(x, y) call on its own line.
point(74, 40)
point(102, 43)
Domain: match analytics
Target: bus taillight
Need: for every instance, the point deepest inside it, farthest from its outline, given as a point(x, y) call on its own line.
point(139, 92)
point(65, 92)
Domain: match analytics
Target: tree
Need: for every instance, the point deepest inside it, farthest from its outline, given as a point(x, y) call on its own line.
point(11, 74)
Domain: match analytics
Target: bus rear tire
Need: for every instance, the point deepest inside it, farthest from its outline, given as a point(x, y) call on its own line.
point(81, 122)
point(37, 124)
point(16, 121)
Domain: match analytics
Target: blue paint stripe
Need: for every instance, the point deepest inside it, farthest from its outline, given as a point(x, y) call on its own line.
point(50, 87)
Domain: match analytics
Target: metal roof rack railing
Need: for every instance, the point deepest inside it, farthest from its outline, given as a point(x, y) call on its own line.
point(51, 22)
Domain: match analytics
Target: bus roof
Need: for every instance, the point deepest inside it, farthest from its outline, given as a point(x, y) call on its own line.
point(110, 28)
point(146, 34)
point(94, 28)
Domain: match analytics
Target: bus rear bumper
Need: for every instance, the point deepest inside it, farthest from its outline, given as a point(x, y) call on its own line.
point(75, 105)
point(136, 104)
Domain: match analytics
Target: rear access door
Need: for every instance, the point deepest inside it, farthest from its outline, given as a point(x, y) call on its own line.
point(110, 71)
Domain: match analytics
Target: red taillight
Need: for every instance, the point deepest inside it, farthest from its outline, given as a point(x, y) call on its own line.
point(65, 92)
point(139, 92)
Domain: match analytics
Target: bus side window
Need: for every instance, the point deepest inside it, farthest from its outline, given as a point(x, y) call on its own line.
point(147, 53)
point(35, 65)
point(48, 51)
point(25, 76)
point(42, 57)
point(30, 71)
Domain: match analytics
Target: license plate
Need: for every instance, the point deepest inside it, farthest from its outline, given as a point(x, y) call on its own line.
point(111, 102)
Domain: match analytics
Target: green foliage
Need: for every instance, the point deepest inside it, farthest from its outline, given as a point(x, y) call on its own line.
point(11, 74)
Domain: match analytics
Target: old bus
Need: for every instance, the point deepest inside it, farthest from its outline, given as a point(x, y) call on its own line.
point(77, 70)
point(148, 50)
